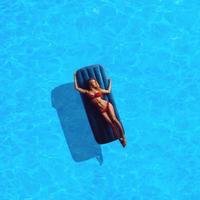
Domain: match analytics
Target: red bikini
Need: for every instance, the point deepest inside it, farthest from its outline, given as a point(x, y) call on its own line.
point(96, 95)
point(93, 96)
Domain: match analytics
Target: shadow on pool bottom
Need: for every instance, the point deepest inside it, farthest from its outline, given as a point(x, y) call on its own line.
point(79, 137)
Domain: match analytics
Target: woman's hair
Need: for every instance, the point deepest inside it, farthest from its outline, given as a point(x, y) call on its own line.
point(90, 79)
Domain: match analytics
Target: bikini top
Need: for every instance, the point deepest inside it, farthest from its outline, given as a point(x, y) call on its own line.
point(96, 95)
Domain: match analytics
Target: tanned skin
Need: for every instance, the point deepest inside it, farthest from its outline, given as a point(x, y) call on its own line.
point(109, 115)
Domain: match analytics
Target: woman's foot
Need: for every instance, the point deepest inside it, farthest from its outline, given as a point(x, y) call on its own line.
point(122, 141)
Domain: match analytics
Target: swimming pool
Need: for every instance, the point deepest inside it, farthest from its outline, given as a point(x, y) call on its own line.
point(150, 49)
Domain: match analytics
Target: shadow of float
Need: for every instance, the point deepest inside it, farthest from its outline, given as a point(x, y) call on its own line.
point(79, 137)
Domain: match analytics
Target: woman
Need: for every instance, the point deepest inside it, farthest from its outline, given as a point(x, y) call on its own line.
point(105, 108)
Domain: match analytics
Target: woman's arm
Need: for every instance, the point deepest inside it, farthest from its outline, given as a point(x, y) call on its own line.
point(77, 87)
point(108, 90)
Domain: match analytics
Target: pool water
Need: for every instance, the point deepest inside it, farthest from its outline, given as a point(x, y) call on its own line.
point(150, 50)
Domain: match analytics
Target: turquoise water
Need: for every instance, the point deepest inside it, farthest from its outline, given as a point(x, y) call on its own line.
point(150, 49)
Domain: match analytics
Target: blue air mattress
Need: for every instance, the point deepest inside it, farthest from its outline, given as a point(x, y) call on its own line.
point(100, 128)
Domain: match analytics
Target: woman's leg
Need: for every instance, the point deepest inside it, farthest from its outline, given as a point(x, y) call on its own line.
point(115, 120)
point(107, 118)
